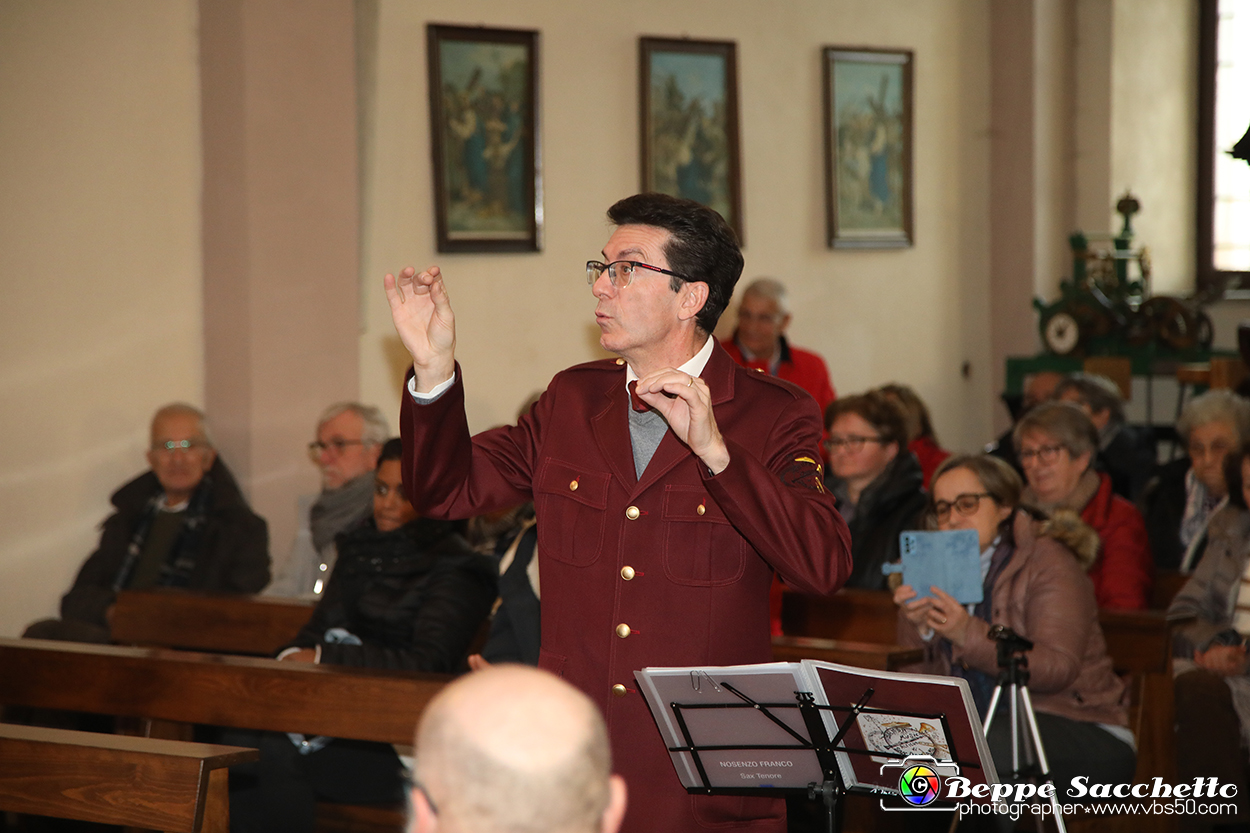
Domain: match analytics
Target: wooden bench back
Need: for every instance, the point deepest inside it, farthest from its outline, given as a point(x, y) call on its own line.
point(256, 625)
point(239, 692)
point(112, 779)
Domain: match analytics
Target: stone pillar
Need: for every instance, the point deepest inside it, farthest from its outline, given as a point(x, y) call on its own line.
point(280, 237)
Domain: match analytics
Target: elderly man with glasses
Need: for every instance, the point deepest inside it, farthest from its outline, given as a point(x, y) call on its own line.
point(349, 439)
point(183, 524)
point(669, 485)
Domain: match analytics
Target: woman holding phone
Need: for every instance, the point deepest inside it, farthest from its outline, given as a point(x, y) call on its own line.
point(1035, 584)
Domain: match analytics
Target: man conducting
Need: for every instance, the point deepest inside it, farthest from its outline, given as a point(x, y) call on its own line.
point(661, 518)
point(513, 748)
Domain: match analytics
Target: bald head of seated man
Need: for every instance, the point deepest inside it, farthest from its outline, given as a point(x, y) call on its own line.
point(512, 749)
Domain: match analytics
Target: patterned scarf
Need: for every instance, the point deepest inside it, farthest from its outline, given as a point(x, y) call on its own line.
point(179, 563)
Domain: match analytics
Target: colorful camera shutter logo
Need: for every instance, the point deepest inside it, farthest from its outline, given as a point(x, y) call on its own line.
point(919, 785)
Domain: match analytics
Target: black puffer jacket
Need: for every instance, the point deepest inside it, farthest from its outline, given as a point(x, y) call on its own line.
point(891, 504)
point(233, 556)
point(1162, 505)
point(414, 598)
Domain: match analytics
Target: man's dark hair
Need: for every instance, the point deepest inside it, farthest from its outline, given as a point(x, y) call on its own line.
point(703, 246)
point(392, 449)
point(1098, 393)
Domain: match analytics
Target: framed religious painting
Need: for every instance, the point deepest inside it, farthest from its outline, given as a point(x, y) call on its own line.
point(689, 121)
point(485, 139)
point(868, 147)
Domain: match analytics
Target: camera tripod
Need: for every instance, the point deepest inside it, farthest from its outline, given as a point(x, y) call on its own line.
point(1013, 676)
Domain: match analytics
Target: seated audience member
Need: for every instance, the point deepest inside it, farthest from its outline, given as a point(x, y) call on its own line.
point(183, 524)
point(513, 749)
point(1057, 443)
point(921, 439)
point(1181, 499)
point(512, 536)
point(877, 482)
point(759, 341)
point(406, 593)
point(1038, 387)
point(1127, 458)
point(349, 438)
point(1212, 612)
point(515, 627)
point(1035, 585)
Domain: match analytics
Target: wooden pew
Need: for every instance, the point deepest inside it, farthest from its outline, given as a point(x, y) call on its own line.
point(239, 692)
point(858, 615)
point(171, 690)
point(256, 625)
point(1166, 585)
point(111, 779)
point(844, 652)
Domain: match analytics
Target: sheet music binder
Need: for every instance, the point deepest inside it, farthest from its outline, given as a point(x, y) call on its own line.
point(783, 726)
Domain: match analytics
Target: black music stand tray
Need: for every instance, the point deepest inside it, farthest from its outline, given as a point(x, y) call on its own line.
point(779, 743)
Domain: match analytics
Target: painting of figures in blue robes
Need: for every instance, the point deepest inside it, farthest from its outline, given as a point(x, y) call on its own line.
point(482, 94)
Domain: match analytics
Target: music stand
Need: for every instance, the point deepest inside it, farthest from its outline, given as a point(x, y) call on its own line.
point(768, 730)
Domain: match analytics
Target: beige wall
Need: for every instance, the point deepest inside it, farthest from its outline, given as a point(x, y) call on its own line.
point(912, 316)
point(100, 321)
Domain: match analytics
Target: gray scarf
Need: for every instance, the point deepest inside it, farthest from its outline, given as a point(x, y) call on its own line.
point(337, 510)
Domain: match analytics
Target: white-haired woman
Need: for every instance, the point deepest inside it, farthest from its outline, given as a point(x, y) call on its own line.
point(1179, 503)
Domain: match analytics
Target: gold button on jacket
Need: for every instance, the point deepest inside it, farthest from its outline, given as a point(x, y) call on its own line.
point(627, 573)
point(618, 690)
point(632, 513)
point(622, 630)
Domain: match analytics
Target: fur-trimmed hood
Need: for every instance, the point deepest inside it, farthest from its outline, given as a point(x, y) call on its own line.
point(1066, 527)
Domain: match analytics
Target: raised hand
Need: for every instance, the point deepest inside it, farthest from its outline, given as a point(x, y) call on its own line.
point(688, 411)
point(421, 311)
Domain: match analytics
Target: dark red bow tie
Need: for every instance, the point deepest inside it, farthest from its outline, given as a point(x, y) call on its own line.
point(635, 400)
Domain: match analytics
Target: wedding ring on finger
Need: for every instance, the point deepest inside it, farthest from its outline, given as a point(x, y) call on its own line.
point(690, 382)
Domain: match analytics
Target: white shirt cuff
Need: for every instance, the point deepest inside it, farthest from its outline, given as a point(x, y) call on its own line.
point(427, 398)
point(295, 649)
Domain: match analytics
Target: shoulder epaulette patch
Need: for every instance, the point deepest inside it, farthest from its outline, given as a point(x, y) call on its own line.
point(805, 472)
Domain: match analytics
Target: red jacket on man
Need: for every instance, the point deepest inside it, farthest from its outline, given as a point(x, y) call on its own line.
point(807, 370)
point(672, 569)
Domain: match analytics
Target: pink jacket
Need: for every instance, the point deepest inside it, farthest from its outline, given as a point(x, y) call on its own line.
point(1045, 596)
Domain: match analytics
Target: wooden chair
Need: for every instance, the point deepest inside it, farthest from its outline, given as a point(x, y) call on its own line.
point(112, 779)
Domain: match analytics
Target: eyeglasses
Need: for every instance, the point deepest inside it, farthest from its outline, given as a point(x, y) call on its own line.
point(965, 504)
point(851, 442)
point(336, 445)
point(1044, 453)
point(621, 272)
point(170, 446)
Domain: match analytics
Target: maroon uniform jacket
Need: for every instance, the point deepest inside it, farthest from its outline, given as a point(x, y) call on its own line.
point(672, 569)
